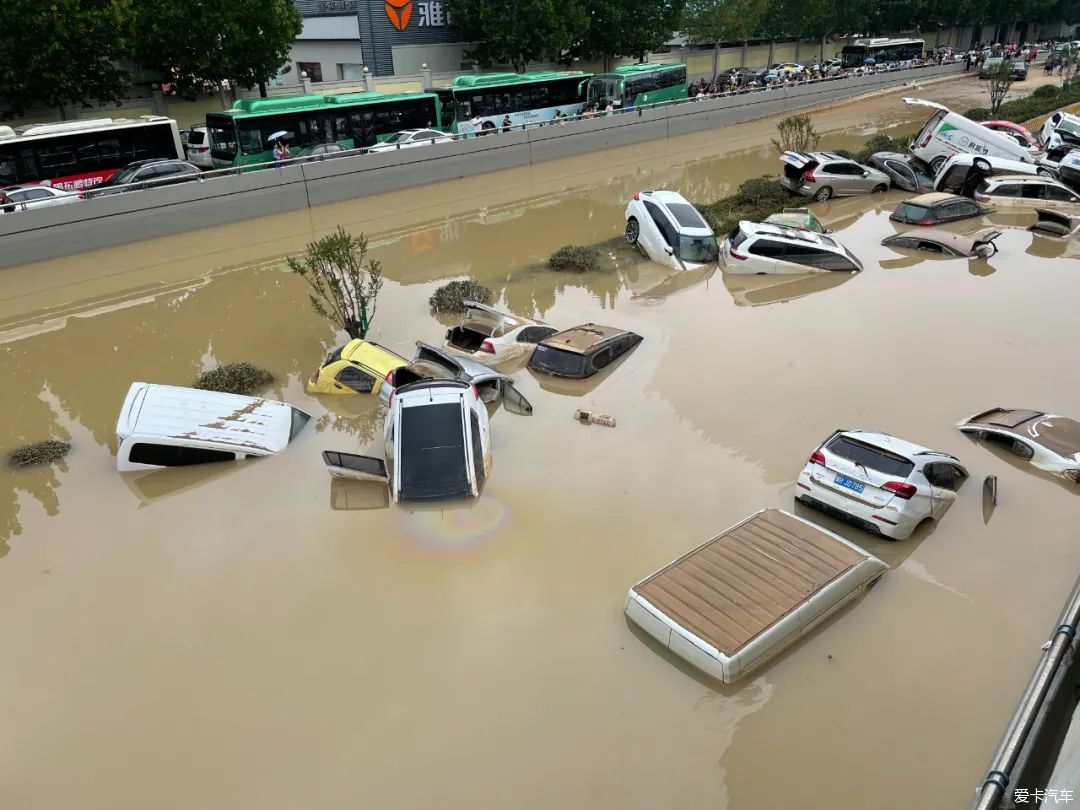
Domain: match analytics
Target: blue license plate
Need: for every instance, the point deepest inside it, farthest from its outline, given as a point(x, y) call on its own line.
point(847, 483)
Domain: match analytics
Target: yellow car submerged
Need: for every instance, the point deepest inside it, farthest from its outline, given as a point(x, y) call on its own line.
point(358, 367)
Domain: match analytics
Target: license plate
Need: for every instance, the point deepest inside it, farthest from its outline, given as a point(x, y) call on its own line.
point(847, 483)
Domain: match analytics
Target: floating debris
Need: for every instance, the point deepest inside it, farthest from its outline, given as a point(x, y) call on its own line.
point(234, 378)
point(38, 453)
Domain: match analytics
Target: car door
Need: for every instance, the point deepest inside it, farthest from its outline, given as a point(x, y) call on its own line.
point(356, 467)
point(1058, 197)
point(840, 177)
point(766, 252)
point(32, 197)
point(351, 378)
point(513, 400)
point(902, 175)
point(945, 479)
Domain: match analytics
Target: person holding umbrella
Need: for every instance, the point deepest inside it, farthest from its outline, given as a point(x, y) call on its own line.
point(281, 151)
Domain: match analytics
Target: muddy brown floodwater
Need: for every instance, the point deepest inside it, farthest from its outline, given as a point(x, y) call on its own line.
point(243, 636)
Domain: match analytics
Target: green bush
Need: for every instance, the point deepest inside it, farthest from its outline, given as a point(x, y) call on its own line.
point(978, 114)
point(234, 378)
point(452, 297)
point(1046, 99)
point(574, 258)
point(753, 200)
point(1046, 91)
point(38, 453)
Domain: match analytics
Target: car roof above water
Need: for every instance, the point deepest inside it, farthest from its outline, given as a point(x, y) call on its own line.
point(583, 339)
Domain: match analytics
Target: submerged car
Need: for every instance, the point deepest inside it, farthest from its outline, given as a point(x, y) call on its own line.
point(798, 218)
point(882, 484)
point(1024, 191)
point(670, 230)
point(169, 426)
point(488, 335)
point(437, 444)
point(823, 175)
point(1055, 223)
point(1049, 442)
point(582, 351)
point(430, 363)
point(961, 174)
point(904, 171)
point(758, 248)
point(358, 367)
point(935, 240)
point(935, 208)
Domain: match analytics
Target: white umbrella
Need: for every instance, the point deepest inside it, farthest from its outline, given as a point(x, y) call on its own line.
point(279, 134)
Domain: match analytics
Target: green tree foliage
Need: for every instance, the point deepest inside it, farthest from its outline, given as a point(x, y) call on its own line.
point(343, 288)
point(998, 81)
point(243, 41)
point(62, 52)
point(797, 134)
point(519, 31)
point(628, 28)
point(718, 21)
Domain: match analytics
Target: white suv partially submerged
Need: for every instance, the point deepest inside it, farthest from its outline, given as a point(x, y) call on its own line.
point(756, 248)
point(878, 482)
point(670, 231)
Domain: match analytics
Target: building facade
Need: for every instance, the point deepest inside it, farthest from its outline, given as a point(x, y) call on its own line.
point(389, 37)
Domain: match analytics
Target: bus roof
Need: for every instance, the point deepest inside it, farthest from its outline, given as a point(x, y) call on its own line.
point(63, 127)
point(646, 67)
point(879, 41)
point(497, 79)
point(283, 104)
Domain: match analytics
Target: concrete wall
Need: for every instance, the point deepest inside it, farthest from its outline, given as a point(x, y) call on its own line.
point(29, 236)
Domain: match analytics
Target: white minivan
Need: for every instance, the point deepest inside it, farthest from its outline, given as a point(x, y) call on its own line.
point(947, 133)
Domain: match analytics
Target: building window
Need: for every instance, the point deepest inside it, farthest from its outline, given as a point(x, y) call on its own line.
point(313, 70)
point(350, 73)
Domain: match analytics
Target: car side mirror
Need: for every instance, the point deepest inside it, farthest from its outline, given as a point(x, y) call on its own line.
point(669, 251)
point(865, 174)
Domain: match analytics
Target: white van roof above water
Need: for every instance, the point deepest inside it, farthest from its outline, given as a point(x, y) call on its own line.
point(251, 425)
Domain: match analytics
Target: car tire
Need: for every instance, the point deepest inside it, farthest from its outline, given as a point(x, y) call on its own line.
point(937, 163)
point(823, 193)
point(879, 189)
point(633, 230)
point(1046, 173)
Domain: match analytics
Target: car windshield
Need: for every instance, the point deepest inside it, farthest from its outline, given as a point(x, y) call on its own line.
point(299, 419)
point(122, 177)
point(870, 456)
point(398, 137)
point(909, 212)
point(698, 249)
point(557, 361)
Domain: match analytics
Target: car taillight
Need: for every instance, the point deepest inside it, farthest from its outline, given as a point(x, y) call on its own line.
point(809, 176)
point(817, 457)
point(926, 140)
point(80, 196)
point(475, 393)
point(982, 198)
point(487, 346)
point(637, 196)
point(900, 489)
point(925, 222)
point(1072, 475)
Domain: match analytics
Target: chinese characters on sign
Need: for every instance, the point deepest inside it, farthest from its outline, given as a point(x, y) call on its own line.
point(337, 5)
point(432, 14)
point(1027, 796)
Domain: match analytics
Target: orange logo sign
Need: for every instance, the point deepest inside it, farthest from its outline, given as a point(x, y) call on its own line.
point(398, 12)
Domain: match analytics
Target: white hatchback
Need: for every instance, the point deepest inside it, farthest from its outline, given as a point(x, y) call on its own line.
point(882, 484)
point(411, 139)
point(488, 335)
point(670, 231)
point(24, 198)
point(758, 248)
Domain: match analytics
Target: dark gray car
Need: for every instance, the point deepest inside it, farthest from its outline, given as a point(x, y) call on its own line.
point(904, 171)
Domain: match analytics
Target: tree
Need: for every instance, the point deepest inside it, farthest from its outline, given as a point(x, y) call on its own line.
point(519, 31)
point(718, 21)
point(62, 52)
point(628, 28)
point(998, 81)
point(797, 134)
point(343, 288)
point(243, 41)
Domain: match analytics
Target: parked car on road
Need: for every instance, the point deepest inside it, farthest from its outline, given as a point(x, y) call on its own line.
point(197, 147)
point(322, 151)
point(25, 198)
point(878, 482)
point(1049, 442)
point(1018, 70)
point(430, 363)
point(144, 174)
point(1024, 191)
point(436, 440)
point(979, 244)
point(790, 68)
point(945, 133)
point(670, 231)
point(358, 367)
point(168, 426)
point(936, 208)
point(990, 65)
point(904, 171)
point(755, 248)
point(799, 218)
point(488, 335)
point(411, 139)
point(822, 175)
point(582, 351)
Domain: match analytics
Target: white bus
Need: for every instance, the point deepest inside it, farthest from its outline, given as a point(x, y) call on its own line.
point(882, 51)
point(76, 155)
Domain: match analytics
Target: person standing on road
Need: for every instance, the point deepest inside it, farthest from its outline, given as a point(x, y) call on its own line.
point(967, 62)
point(506, 123)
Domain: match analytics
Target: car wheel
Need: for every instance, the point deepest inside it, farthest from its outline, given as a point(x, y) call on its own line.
point(823, 193)
point(633, 230)
point(1044, 173)
point(937, 163)
point(880, 189)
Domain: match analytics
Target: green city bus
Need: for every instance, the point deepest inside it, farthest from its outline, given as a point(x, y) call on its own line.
point(241, 135)
point(527, 98)
point(637, 86)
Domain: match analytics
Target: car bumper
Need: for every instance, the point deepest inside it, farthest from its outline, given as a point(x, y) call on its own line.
point(804, 189)
point(888, 522)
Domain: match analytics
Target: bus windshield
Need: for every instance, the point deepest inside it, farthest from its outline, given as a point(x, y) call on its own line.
point(222, 137)
point(603, 90)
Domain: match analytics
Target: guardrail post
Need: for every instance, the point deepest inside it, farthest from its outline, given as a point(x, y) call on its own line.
point(305, 82)
point(369, 80)
point(425, 76)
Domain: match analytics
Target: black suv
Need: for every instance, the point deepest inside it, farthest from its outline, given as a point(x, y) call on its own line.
point(143, 174)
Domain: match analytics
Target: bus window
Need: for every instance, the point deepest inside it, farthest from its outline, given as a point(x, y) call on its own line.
point(250, 138)
point(222, 138)
point(17, 166)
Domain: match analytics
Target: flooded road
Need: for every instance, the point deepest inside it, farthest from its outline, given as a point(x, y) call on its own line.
point(245, 636)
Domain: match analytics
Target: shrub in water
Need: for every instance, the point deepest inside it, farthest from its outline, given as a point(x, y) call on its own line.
point(33, 455)
point(574, 258)
point(234, 378)
point(452, 297)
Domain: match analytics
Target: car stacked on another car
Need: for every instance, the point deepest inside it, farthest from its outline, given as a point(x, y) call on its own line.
point(880, 483)
point(823, 175)
point(755, 248)
point(798, 218)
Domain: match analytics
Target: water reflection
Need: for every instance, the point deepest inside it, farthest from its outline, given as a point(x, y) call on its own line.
point(756, 291)
point(156, 485)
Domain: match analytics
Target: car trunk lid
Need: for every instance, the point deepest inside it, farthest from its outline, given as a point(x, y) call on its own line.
point(797, 165)
point(850, 469)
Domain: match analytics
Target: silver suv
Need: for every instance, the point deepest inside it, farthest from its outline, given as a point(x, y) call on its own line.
point(822, 175)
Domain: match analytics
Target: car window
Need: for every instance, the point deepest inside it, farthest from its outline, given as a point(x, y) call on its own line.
point(686, 215)
point(933, 247)
point(946, 476)
point(534, 334)
point(557, 361)
point(1033, 191)
point(901, 169)
point(1059, 194)
point(1010, 444)
point(353, 378)
point(477, 450)
point(902, 242)
point(1006, 190)
point(911, 213)
point(968, 209)
point(768, 248)
point(602, 358)
point(667, 230)
point(870, 456)
point(168, 455)
point(808, 255)
point(30, 194)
